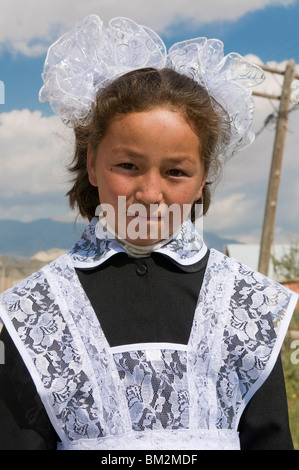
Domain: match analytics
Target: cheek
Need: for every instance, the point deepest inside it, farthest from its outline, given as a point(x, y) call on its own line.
point(111, 186)
point(186, 195)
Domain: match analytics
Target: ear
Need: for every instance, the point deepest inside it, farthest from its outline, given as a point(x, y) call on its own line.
point(90, 166)
point(199, 193)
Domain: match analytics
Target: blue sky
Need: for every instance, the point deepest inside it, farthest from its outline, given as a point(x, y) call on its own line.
point(271, 33)
point(267, 29)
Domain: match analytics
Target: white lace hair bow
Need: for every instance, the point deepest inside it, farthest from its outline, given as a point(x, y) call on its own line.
point(90, 56)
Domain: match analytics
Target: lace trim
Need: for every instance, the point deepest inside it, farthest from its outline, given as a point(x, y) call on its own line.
point(166, 440)
point(148, 347)
point(95, 246)
point(241, 319)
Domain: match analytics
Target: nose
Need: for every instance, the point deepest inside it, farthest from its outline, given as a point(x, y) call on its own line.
point(150, 188)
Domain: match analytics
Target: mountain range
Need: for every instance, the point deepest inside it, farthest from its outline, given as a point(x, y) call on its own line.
point(25, 239)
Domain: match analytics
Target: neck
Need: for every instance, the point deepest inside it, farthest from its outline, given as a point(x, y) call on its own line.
point(134, 250)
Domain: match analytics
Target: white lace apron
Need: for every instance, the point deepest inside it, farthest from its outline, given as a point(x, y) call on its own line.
point(148, 396)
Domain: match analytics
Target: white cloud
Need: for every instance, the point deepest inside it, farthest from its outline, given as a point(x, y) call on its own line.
point(34, 152)
point(29, 27)
point(230, 211)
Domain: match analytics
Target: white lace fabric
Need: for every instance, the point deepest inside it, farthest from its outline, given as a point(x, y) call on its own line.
point(188, 396)
point(166, 440)
point(97, 245)
point(89, 56)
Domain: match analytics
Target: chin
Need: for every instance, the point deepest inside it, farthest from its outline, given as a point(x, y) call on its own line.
point(144, 242)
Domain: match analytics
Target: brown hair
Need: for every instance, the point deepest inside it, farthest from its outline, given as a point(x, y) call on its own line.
point(142, 90)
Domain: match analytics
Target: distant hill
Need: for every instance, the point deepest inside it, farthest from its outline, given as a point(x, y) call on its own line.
point(25, 239)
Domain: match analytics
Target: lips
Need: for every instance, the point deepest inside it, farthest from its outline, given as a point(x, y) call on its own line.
point(147, 215)
point(148, 218)
point(144, 213)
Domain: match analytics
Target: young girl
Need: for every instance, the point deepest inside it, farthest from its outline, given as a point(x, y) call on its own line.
point(141, 337)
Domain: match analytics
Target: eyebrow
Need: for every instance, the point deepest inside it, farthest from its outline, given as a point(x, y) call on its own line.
point(128, 152)
point(134, 154)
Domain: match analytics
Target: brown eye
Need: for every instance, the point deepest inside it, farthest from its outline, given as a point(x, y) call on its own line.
point(176, 173)
point(127, 166)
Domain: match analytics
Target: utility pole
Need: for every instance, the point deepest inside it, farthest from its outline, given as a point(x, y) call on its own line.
point(275, 172)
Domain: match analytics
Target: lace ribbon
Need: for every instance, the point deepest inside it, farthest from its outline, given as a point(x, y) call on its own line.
point(88, 57)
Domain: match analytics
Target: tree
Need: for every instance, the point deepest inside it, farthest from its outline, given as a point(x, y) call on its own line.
point(287, 267)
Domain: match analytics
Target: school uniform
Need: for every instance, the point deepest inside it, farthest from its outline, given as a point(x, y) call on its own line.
point(175, 350)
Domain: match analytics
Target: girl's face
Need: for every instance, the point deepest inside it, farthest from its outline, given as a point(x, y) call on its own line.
point(148, 171)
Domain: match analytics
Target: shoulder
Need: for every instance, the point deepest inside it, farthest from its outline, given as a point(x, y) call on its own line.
point(245, 276)
point(33, 290)
point(254, 297)
point(256, 313)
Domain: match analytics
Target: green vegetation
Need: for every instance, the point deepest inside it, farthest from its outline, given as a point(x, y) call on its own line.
point(287, 267)
point(291, 372)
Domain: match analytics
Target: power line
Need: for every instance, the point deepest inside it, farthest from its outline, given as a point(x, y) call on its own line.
point(272, 119)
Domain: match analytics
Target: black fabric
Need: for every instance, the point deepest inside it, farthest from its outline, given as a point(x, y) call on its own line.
point(159, 304)
point(24, 423)
point(158, 301)
point(264, 424)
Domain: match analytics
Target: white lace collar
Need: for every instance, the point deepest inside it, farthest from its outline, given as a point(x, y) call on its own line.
point(95, 246)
